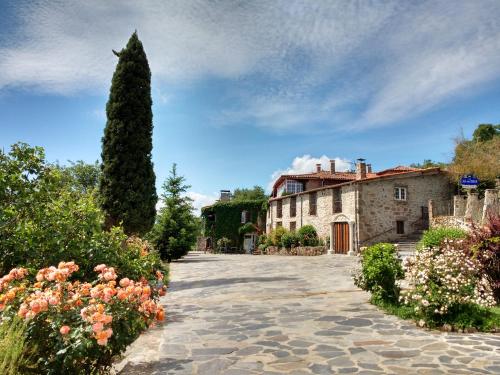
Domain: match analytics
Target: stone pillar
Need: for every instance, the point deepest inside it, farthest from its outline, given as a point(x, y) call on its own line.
point(459, 203)
point(430, 205)
point(330, 250)
point(491, 204)
point(351, 251)
point(472, 207)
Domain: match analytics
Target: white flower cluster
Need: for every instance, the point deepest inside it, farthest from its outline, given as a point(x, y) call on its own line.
point(444, 277)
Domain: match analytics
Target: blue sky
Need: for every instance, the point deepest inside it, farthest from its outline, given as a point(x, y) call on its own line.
point(246, 90)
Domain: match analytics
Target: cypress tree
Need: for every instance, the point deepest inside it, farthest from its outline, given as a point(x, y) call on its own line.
point(127, 185)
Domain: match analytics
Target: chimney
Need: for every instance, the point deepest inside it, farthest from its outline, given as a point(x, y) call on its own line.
point(318, 167)
point(225, 195)
point(332, 166)
point(368, 168)
point(360, 169)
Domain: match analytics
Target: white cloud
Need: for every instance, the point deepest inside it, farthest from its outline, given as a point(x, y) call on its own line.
point(201, 200)
point(292, 64)
point(307, 164)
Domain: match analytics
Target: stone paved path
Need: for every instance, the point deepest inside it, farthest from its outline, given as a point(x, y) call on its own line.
point(242, 314)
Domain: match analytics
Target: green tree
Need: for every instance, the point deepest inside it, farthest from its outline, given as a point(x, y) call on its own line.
point(480, 155)
point(81, 176)
point(245, 194)
point(127, 185)
point(485, 132)
point(176, 228)
point(428, 163)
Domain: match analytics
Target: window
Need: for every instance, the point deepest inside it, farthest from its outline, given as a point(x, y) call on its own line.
point(312, 203)
point(337, 200)
point(400, 193)
point(293, 226)
point(400, 227)
point(245, 217)
point(290, 187)
point(278, 224)
point(293, 206)
point(279, 208)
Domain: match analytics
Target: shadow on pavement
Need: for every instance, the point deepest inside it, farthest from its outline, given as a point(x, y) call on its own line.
point(159, 367)
point(182, 285)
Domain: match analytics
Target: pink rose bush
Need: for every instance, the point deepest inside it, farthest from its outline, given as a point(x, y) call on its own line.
point(79, 326)
point(443, 281)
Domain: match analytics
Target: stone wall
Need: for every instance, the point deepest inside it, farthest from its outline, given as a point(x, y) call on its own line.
point(296, 251)
point(379, 211)
point(467, 210)
point(450, 222)
point(324, 211)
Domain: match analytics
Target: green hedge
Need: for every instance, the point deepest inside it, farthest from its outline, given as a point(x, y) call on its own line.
point(435, 236)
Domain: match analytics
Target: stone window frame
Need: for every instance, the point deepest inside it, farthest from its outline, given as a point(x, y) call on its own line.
point(397, 193)
point(337, 200)
point(313, 207)
point(293, 207)
point(245, 216)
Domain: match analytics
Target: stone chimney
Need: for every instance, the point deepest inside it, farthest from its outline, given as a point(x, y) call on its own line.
point(368, 168)
point(318, 167)
point(225, 195)
point(332, 166)
point(360, 169)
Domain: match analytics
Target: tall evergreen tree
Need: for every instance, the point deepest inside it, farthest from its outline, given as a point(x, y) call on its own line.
point(176, 229)
point(127, 184)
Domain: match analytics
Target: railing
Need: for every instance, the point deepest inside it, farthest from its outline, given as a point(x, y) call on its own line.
point(377, 235)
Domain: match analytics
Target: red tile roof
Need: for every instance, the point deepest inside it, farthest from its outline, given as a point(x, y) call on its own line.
point(344, 177)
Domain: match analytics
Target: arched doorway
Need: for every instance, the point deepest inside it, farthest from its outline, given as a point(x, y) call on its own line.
point(341, 235)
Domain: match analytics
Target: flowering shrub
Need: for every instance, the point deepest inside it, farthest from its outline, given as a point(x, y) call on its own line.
point(380, 269)
point(77, 327)
point(445, 282)
point(483, 244)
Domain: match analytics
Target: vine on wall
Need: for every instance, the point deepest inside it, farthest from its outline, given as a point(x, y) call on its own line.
point(223, 219)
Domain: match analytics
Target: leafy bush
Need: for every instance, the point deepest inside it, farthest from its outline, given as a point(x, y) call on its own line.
point(45, 219)
point(308, 236)
point(435, 236)
point(289, 239)
point(276, 235)
point(380, 269)
point(447, 286)
point(77, 327)
point(223, 243)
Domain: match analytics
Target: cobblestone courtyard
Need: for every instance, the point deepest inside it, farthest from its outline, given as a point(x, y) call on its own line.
point(240, 314)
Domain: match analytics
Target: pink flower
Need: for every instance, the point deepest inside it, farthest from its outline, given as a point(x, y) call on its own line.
point(97, 327)
point(100, 268)
point(125, 282)
point(64, 330)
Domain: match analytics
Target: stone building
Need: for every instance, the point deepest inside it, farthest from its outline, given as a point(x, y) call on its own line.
point(358, 208)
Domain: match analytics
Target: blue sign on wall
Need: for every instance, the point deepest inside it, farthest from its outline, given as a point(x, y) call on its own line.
point(470, 182)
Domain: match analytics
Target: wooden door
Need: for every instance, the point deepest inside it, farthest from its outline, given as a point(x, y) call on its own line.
point(341, 233)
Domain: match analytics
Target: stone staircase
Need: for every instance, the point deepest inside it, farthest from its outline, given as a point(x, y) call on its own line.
point(407, 245)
